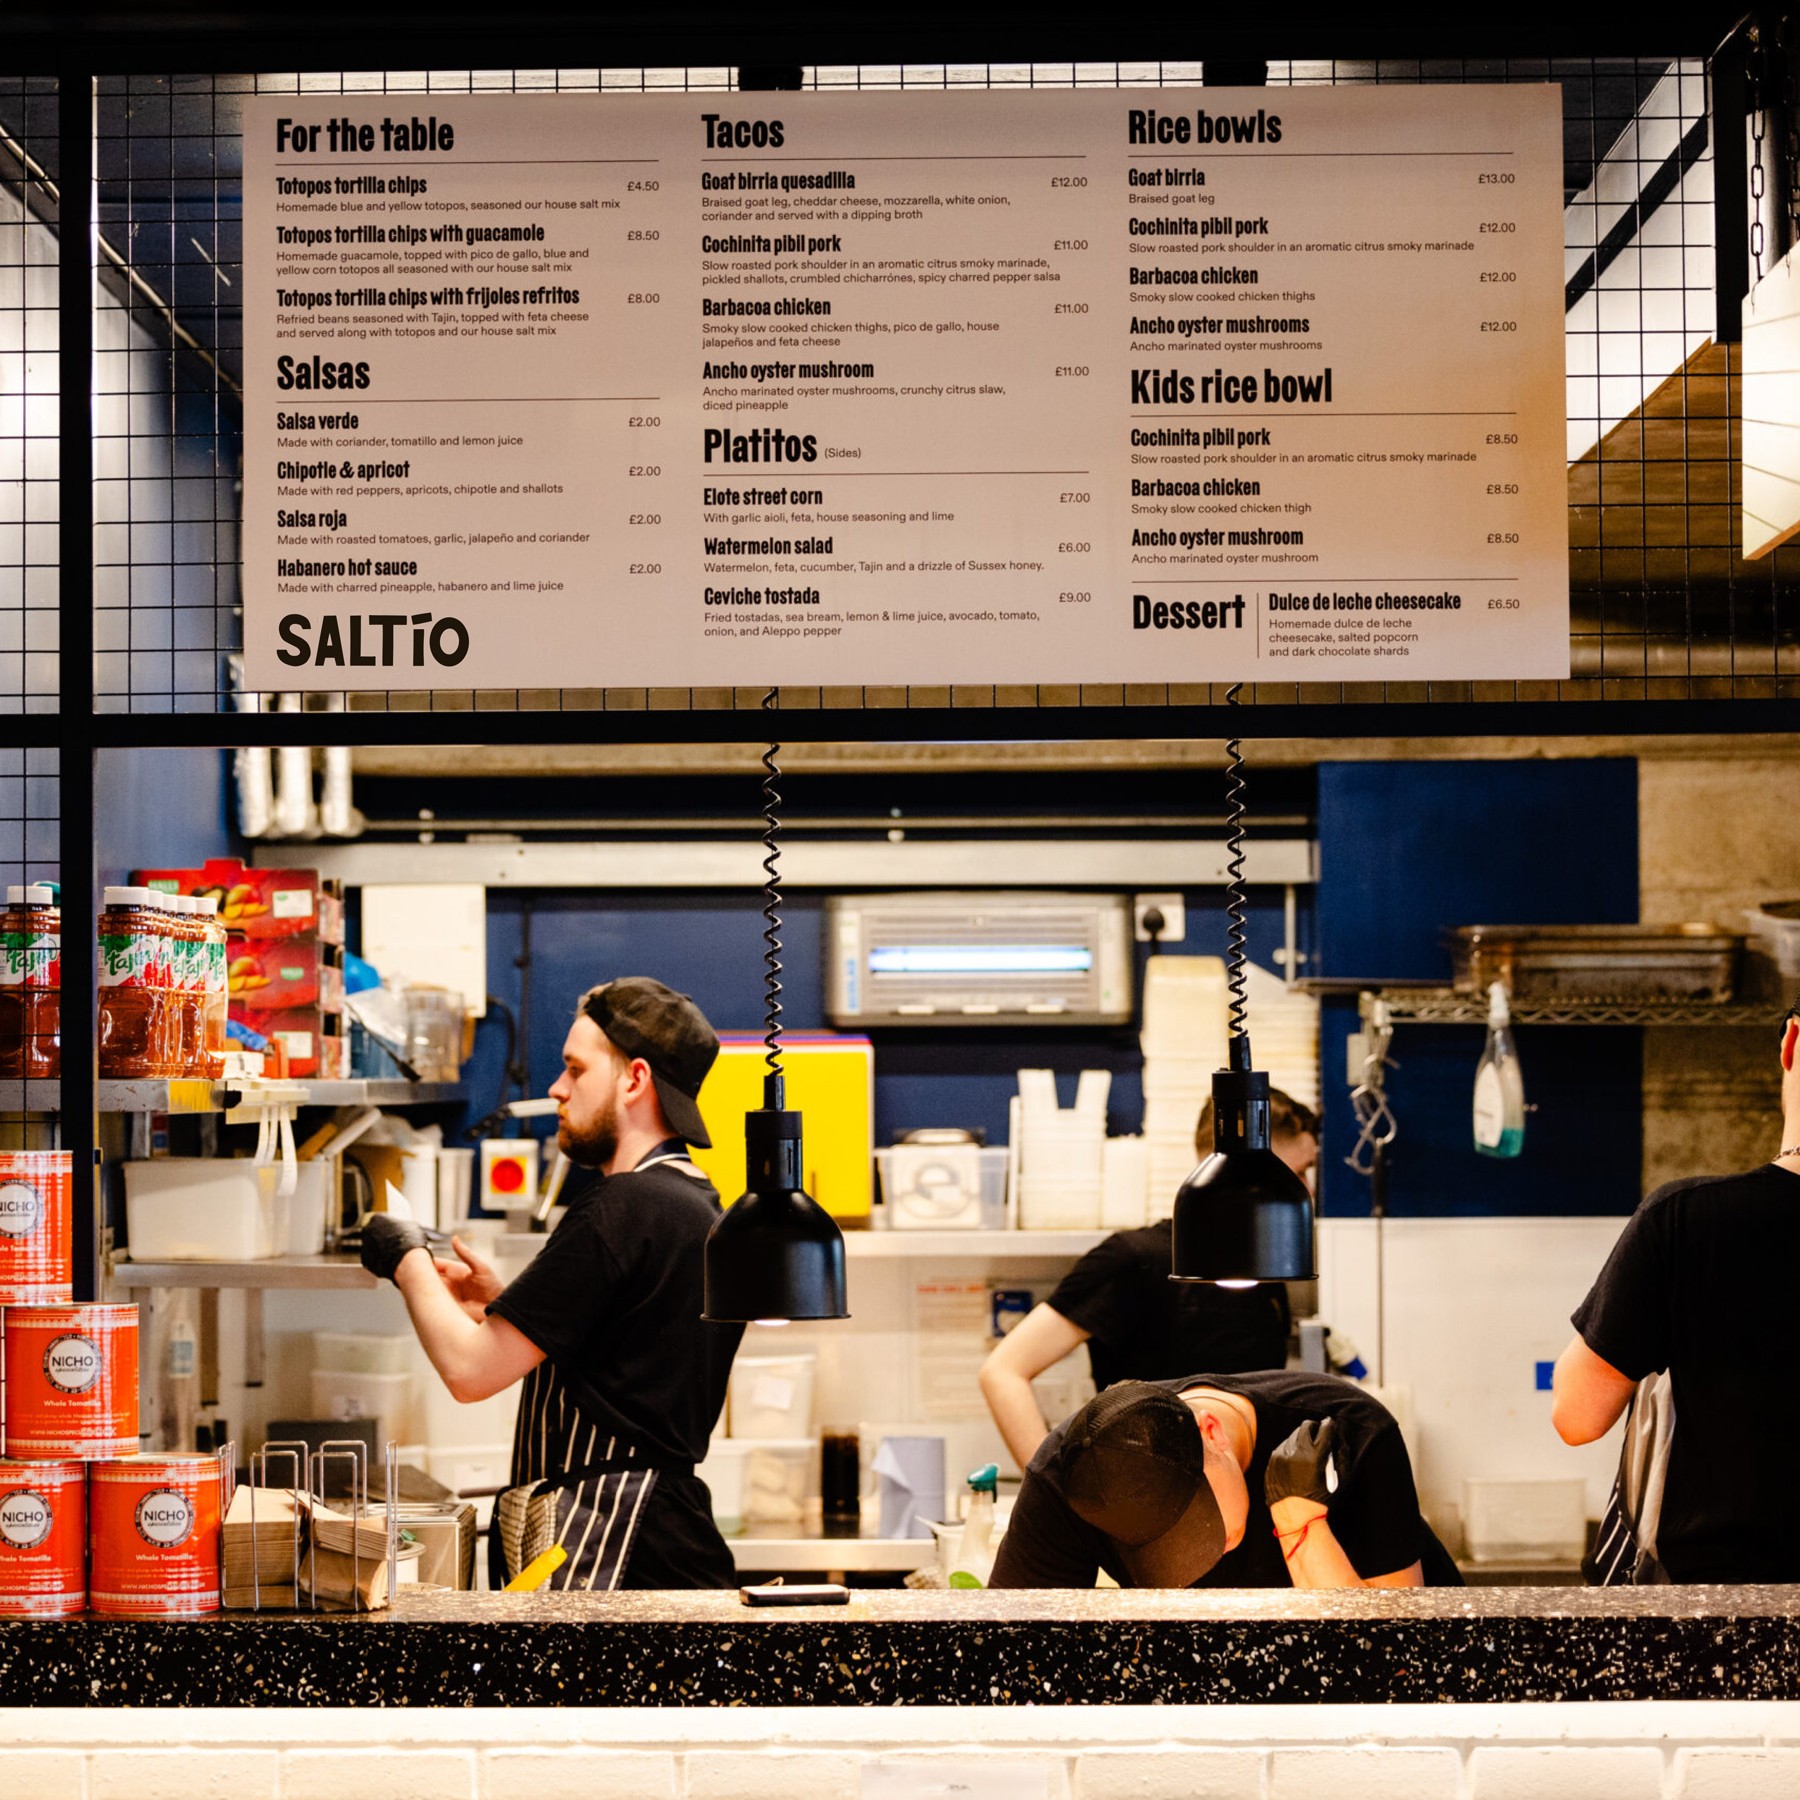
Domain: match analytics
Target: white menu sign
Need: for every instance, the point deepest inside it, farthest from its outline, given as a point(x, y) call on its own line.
point(1089, 386)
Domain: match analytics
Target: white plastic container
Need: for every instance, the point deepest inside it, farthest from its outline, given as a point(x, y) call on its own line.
point(1124, 1184)
point(943, 1187)
point(1524, 1520)
point(771, 1396)
point(201, 1209)
point(726, 1472)
point(362, 1352)
point(780, 1476)
point(387, 1399)
point(308, 1208)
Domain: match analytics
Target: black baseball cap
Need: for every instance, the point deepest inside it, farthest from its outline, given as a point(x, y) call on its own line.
point(1132, 1464)
point(644, 1018)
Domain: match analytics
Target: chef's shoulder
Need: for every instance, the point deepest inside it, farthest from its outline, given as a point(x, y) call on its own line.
point(644, 1209)
point(1314, 1395)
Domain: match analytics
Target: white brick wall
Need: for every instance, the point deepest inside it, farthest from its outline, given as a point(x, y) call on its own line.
point(1368, 1772)
point(1169, 1774)
point(1570, 1774)
point(1740, 1750)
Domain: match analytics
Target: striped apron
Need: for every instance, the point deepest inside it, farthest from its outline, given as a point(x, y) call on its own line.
point(571, 1486)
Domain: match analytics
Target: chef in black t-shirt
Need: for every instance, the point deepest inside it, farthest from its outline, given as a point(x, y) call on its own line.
point(1700, 1284)
point(1135, 1321)
point(623, 1380)
point(1263, 1480)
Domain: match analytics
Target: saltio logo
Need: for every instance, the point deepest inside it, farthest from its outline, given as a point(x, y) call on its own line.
point(25, 1519)
point(165, 1518)
point(72, 1364)
point(21, 1209)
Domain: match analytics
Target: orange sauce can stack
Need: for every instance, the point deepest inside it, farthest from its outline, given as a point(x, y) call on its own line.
point(35, 1265)
point(71, 1382)
point(43, 1539)
point(154, 1532)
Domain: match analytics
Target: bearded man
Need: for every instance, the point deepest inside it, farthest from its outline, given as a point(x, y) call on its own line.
point(623, 1380)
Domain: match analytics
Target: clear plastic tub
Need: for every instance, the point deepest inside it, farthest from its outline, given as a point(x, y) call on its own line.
point(780, 1476)
point(771, 1396)
point(202, 1209)
point(386, 1399)
point(1525, 1520)
point(943, 1187)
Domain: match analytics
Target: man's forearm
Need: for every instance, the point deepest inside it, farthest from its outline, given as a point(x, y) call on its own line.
point(1315, 1559)
point(460, 1349)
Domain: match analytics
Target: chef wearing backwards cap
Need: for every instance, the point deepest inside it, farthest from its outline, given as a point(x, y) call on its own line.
point(1258, 1480)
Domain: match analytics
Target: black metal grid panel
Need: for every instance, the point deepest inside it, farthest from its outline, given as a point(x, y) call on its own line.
point(1662, 606)
point(29, 464)
point(29, 852)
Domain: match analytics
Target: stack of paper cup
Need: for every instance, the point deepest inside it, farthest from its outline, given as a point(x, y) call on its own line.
point(1284, 1030)
point(1060, 1151)
point(1184, 1045)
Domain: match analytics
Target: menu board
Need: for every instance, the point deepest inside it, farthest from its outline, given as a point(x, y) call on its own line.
point(730, 389)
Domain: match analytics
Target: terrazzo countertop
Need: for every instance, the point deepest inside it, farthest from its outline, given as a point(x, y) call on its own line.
point(901, 1648)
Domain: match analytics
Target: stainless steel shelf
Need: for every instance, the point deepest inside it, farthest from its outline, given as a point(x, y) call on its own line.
point(264, 1272)
point(1445, 1006)
point(209, 1096)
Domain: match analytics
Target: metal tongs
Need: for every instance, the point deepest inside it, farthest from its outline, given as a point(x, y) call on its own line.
point(1376, 1126)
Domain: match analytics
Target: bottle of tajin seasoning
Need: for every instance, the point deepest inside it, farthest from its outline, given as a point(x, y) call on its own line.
point(132, 1025)
point(189, 1051)
point(30, 984)
point(215, 1005)
point(168, 979)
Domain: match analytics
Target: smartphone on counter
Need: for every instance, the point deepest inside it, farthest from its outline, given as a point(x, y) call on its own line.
point(798, 1593)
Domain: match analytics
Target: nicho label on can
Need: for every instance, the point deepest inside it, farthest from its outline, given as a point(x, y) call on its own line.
point(72, 1364)
point(25, 1519)
point(21, 1209)
point(164, 1518)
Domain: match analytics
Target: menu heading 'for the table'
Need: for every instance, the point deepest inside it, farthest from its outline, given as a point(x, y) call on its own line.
point(1091, 386)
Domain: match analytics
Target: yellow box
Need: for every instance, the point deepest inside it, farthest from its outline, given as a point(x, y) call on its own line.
point(831, 1080)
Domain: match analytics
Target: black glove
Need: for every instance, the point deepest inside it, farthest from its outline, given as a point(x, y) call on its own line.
point(385, 1240)
point(1301, 1466)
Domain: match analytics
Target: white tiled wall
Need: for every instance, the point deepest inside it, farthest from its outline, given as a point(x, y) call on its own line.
point(1712, 1750)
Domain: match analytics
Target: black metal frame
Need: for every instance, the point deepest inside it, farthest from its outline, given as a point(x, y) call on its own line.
point(80, 42)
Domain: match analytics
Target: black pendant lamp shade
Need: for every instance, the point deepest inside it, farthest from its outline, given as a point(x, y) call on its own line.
point(776, 1254)
point(1243, 1215)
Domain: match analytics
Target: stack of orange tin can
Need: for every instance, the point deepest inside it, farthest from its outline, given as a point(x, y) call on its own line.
point(83, 1517)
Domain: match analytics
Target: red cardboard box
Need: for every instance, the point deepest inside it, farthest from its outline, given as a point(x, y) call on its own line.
point(274, 974)
point(310, 1038)
point(259, 903)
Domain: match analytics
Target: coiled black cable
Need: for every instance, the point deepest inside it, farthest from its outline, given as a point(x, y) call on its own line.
point(772, 916)
point(1236, 905)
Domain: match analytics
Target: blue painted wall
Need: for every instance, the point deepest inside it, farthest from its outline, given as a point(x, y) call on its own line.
point(1409, 849)
point(162, 809)
point(710, 946)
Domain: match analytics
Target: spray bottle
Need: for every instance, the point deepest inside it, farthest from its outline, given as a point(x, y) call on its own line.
point(975, 1554)
point(1499, 1087)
